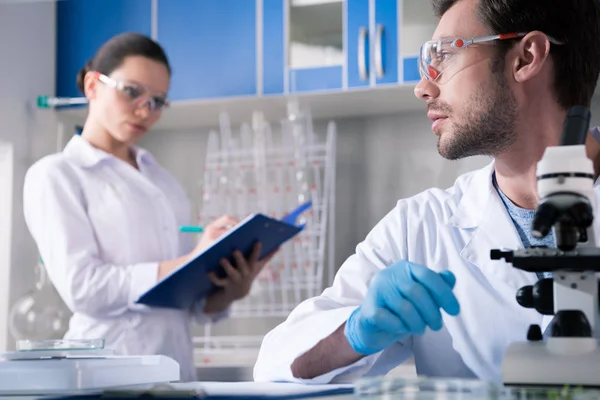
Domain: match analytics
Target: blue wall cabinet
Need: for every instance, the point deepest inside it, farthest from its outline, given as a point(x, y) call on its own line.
point(329, 45)
point(417, 23)
point(302, 46)
point(372, 38)
point(358, 42)
point(82, 26)
point(211, 45)
point(385, 42)
point(273, 43)
point(411, 70)
point(315, 45)
point(238, 48)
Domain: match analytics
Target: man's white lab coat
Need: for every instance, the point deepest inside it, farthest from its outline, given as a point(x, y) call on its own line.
point(452, 229)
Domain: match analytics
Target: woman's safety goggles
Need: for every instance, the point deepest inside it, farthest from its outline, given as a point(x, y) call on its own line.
point(139, 95)
point(437, 55)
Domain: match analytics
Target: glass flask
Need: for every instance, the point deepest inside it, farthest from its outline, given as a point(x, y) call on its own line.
point(40, 314)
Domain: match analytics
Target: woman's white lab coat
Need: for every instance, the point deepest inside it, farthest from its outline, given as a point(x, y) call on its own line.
point(102, 227)
point(451, 229)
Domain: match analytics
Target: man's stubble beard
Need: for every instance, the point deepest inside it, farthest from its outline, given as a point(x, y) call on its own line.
point(489, 125)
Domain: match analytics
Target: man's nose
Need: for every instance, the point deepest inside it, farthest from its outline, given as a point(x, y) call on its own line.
point(426, 90)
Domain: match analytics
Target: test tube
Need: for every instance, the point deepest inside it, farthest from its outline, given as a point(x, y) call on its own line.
point(208, 189)
point(53, 102)
point(226, 196)
point(259, 161)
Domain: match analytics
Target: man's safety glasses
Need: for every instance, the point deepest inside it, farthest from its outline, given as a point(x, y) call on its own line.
point(436, 55)
point(139, 95)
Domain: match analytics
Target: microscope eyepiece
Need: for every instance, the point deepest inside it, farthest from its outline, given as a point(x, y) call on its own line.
point(575, 128)
point(545, 216)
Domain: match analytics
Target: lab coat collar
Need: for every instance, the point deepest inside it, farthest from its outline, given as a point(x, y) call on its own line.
point(472, 208)
point(473, 203)
point(82, 153)
point(143, 156)
point(482, 211)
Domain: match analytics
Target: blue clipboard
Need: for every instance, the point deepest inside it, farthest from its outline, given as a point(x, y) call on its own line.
point(188, 283)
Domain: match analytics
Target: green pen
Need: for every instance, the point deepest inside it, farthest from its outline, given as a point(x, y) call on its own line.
point(191, 229)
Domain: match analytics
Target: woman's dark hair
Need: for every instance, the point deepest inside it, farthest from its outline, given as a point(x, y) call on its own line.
point(113, 53)
point(576, 64)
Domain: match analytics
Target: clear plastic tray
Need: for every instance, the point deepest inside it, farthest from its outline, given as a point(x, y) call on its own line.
point(37, 345)
point(464, 389)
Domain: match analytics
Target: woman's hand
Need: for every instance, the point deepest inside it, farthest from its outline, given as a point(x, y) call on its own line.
point(213, 231)
point(239, 279)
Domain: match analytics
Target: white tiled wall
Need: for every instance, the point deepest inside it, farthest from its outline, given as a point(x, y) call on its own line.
point(27, 48)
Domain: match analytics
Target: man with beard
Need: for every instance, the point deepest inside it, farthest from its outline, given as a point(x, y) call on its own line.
point(497, 78)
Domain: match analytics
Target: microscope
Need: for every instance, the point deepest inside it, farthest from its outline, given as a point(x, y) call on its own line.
point(570, 353)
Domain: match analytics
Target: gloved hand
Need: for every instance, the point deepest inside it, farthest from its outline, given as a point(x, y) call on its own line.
point(402, 300)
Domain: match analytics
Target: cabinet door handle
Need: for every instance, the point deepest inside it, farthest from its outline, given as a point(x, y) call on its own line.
point(379, 52)
point(362, 56)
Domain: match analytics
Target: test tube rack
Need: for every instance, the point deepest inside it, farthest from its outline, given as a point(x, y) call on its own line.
point(272, 172)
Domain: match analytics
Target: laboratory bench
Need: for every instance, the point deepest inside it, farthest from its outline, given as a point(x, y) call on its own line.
point(364, 389)
point(242, 373)
point(234, 373)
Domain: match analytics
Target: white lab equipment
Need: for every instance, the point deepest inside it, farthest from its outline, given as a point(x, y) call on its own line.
point(272, 173)
point(571, 354)
point(65, 367)
point(453, 229)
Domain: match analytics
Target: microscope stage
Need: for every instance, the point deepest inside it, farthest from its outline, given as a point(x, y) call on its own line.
point(534, 363)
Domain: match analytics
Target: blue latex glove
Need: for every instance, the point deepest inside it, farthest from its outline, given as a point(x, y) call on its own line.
point(402, 300)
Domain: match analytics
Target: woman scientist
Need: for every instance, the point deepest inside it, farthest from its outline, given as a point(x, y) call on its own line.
point(105, 216)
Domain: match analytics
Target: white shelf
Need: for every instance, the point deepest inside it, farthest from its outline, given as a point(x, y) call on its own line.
point(324, 105)
point(203, 114)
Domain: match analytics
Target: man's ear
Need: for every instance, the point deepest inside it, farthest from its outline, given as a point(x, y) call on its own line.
point(530, 55)
point(90, 83)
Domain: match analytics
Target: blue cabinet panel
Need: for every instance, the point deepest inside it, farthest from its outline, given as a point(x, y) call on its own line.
point(386, 17)
point(315, 79)
point(82, 26)
point(211, 45)
point(273, 47)
point(357, 18)
point(411, 70)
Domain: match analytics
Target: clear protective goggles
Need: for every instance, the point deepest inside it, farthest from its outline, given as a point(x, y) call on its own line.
point(139, 95)
point(436, 55)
